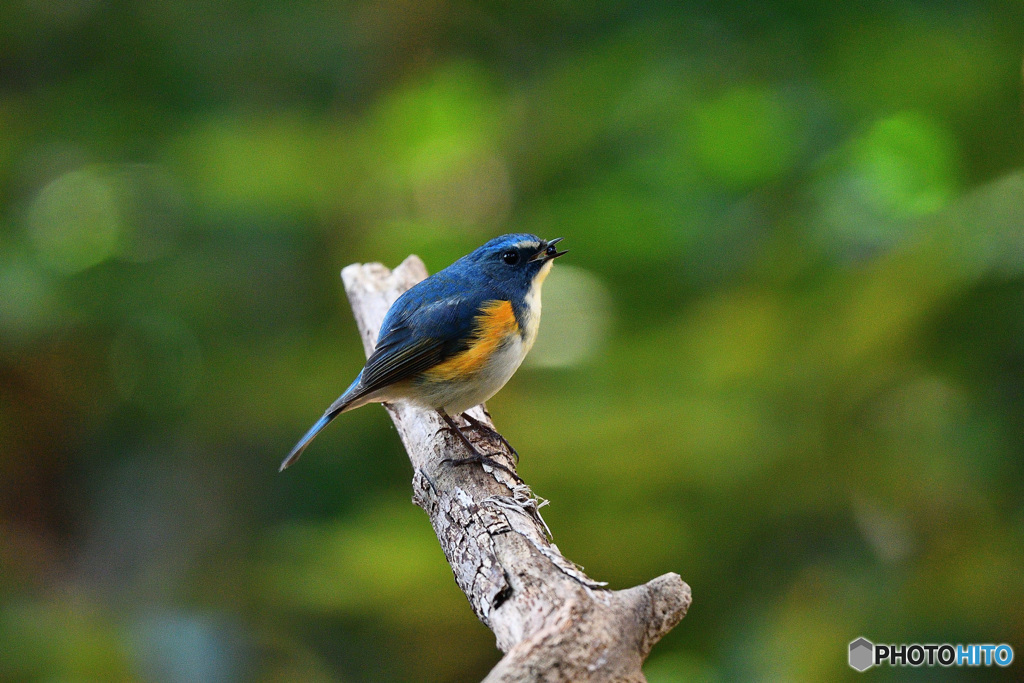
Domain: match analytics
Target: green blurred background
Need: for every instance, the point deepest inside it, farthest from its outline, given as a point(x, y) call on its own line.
point(784, 358)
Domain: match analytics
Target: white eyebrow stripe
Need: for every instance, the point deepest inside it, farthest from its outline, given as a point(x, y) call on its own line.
point(526, 243)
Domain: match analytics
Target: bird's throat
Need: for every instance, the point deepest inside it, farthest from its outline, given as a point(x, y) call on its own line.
point(533, 306)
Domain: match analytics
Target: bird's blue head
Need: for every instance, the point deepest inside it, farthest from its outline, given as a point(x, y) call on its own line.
point(514, 261)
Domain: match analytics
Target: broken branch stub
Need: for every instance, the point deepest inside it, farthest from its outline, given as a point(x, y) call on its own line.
point(553, 622)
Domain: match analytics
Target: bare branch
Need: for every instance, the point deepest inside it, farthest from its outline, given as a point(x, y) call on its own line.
point(553, 622)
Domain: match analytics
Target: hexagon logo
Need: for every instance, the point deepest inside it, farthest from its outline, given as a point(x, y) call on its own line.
point(862, 654)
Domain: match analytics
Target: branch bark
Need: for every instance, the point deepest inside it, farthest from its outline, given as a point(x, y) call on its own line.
point(553, 622)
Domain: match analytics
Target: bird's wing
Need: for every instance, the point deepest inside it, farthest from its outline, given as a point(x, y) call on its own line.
point(417, 334)
point(402, 361)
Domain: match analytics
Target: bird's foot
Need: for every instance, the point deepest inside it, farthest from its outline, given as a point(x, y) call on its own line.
point(483, 460)
point(476, 425)
point(475, 455)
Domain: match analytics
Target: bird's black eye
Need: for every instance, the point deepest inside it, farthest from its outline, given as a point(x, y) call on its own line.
point(510, 257)
point(551, 250)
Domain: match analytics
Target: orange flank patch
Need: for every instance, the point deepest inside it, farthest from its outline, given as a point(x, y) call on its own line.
point(493, 326)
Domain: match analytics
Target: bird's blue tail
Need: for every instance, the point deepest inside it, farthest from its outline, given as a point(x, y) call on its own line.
point(336, 409)
point(304, 441)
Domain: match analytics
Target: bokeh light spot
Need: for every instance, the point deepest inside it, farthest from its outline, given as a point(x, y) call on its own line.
point(576, 319)
point(76, 222)
point(906, 164)
point(903, 167)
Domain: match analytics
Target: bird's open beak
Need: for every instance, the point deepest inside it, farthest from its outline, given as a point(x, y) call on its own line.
point(548, 251)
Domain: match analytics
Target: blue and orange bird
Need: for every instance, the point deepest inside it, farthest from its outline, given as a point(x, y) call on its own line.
point(453, 340)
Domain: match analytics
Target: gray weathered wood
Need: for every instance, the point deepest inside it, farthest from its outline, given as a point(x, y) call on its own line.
point(553, 622)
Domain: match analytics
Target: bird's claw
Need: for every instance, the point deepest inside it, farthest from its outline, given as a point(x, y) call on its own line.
point(475, 425)
point(476, 456)
point(483, 460)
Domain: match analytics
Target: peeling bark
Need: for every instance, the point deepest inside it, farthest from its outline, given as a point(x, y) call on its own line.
point(553, 622)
